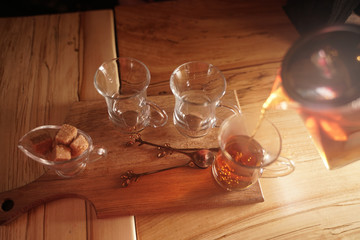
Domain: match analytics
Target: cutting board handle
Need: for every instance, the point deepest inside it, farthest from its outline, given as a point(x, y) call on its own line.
point(18, 201)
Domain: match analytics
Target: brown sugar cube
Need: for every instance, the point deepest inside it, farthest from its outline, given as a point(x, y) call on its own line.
point(42, 144)
point(66, 134)
point(79, 145)
point(61, 153)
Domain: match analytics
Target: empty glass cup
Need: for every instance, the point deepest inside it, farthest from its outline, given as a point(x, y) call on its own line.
point(198, 88)
point(123, 83)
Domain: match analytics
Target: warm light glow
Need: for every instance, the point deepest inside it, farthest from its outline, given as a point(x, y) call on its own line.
point(326, 93)
point(310, 123)
point(358, 58)
point(277, 98)
point(333, 130)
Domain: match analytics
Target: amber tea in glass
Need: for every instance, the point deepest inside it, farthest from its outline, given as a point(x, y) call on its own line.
point(320, 79)
point(244, 156)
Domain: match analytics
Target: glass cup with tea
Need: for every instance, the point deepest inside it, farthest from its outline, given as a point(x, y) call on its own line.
point(123, 83)
point(198, 88)
point(249, 149)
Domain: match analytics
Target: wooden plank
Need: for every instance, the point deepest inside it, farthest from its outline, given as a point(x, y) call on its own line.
point(39, 81)
point(98, 33)
point(176, 190)
point(311, 202)
point(244, 39)
point(110, 228)
point(65, 219)
point(53, 61)
point(30, 82)
point(97, 30)
point(58, 53)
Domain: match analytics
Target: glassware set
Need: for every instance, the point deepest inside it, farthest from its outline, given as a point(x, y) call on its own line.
point(319, 78)
point(198, 88)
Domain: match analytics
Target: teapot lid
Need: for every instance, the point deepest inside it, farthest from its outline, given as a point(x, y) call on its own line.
point(322, 70)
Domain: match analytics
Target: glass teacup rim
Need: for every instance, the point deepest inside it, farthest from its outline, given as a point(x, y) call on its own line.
point(172, 84)
point(228, 155)
point(128, 96)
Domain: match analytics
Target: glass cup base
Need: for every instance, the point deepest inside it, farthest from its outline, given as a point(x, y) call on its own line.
point(191, 133)
point(191, 128)
point(71, 173)
point(229, 184)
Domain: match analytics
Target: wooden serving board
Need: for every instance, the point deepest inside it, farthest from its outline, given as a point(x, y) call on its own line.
point(174, 190)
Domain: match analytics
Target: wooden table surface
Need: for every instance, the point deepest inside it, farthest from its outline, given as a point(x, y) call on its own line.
point(247, 41)
point(48, 62)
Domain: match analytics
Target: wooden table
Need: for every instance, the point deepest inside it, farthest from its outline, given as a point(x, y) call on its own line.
point(246, 40)
point(47, 63)
point(53, 59)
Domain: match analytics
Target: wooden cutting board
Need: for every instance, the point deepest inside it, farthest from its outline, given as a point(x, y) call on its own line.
point(179, 189)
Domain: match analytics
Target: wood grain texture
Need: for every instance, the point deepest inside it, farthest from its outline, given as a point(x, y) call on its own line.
point(97, 29)
point(42, 73)
point(250, 37)
point(312, 202)
point(246, 40)
point(110, 228)
point(29, 84)
point(40, 55)
point(175, 190)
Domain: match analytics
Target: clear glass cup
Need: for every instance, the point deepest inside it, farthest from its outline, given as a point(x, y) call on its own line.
point(123, 83)
point(68, 168)
point(198, 88)
point(246, 154)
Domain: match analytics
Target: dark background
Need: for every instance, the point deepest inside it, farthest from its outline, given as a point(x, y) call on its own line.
point(15, 8)
point(310, 15)
point(306, 15)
